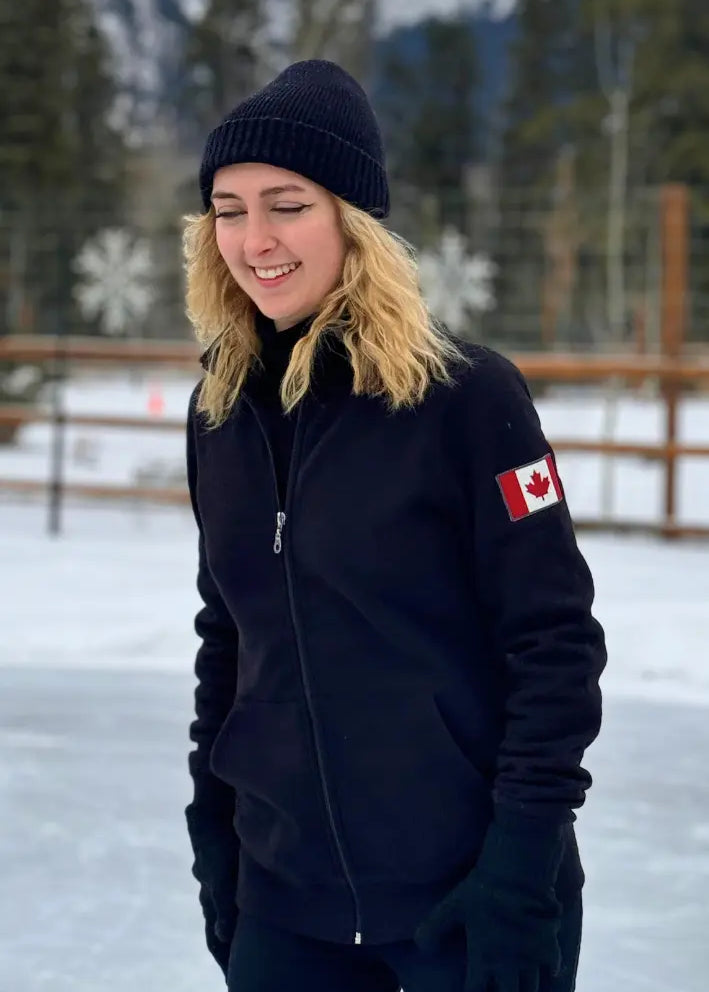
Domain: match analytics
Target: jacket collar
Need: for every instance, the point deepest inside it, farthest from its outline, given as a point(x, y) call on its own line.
point(265, 329)
point(332, 371)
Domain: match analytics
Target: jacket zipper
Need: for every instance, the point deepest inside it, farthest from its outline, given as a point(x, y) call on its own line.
point(281, 518)
point(280, 524)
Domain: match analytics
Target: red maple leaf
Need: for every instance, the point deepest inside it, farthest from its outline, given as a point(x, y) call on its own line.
point(539, 486)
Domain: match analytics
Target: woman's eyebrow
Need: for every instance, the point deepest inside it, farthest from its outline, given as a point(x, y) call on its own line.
point(270, 191)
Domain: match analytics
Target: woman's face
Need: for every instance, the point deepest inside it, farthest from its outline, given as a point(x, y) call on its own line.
point(280, 237)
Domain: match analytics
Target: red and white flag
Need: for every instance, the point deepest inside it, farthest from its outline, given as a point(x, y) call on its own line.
point(530, 488)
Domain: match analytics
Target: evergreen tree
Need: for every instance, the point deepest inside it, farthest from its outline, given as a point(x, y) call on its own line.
point(670, 123)
point(148, 38)
point(619, 89)
point(671, 95)
point(426, 103)
point(655, 55)
point(55, 101)
point(548, 72)
point(61, 163)
point(544, 77)
point(224, 58)
point(339, 30)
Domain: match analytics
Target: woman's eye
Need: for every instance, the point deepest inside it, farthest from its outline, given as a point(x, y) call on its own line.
point(295, 208)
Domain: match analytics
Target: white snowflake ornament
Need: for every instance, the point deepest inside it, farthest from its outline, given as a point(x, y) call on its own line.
point(116, 272)
point(455, 283)
point(20, 380)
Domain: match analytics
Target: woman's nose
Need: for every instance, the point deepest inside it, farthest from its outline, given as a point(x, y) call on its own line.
point(258, 238)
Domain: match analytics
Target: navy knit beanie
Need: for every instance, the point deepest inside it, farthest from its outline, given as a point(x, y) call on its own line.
point(313, 119)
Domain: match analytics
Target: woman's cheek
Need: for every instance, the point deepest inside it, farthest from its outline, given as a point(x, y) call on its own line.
point(226, 243)
point(221, 244)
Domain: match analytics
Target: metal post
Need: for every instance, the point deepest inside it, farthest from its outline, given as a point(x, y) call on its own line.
point(675, 263)
point(58, 448)
point(59, 375)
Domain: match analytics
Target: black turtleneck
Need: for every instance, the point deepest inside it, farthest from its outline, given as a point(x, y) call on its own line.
point(276, 349)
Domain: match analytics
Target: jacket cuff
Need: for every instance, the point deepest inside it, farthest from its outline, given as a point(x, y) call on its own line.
point(523, 849)
point(525, 819)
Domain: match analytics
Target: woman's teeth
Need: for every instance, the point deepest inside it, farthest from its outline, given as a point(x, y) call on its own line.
point(280, 270)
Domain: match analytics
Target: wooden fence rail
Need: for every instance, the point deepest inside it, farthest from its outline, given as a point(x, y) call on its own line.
point(557, 366)
point(673, 374)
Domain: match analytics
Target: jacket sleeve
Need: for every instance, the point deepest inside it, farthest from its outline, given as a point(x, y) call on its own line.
point(210, 813)
point(537, 592)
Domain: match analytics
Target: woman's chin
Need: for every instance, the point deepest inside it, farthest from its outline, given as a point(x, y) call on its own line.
point(285, 317)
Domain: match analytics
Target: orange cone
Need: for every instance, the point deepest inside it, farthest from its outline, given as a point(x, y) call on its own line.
point(156, 401)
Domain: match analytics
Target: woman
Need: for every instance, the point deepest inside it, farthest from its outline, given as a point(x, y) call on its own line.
point(398, 672)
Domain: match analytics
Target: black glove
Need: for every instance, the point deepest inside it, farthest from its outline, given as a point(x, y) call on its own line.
point(217, 930)
point(506, 906)
point(216, 860)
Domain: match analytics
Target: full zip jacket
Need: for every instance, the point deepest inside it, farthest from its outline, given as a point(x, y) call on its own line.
point(282, 512)
point(386, 653)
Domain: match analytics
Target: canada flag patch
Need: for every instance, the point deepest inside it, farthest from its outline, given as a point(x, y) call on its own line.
point(530, 488)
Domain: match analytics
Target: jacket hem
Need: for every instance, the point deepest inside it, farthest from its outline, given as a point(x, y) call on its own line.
point(391, 911)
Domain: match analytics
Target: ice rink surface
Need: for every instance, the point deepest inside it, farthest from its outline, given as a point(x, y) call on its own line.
point(95, 700)
point(96, 886)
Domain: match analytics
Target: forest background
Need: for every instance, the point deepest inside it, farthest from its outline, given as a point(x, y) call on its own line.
point(527, 145)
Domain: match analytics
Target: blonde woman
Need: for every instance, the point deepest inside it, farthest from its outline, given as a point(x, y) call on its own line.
point(398, 669)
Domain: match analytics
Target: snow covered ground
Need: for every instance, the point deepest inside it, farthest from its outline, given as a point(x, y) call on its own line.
point(95, 698)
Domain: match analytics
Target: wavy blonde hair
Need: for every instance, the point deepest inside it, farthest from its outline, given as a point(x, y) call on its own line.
point(395, 346)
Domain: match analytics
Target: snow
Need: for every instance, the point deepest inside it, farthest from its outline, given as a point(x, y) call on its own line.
point(391, 13)
point(96, 693)
point(394, 14)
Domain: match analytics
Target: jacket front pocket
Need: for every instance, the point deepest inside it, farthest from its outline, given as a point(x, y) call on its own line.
point(412, 805)
point(264, 752)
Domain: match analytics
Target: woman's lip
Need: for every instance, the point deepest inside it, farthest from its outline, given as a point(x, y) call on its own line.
point(278, 279)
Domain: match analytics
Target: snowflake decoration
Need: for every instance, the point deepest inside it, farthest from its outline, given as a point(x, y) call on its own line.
point(21, 380)
point(116, 272)
point(455, 283)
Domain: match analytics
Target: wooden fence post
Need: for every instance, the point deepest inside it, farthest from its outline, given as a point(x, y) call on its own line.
point(674, 205)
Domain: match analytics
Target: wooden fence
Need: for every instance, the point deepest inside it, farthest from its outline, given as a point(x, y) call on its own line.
point(673, 374)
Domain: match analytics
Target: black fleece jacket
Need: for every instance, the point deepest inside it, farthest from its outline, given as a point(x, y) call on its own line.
point(386, 653)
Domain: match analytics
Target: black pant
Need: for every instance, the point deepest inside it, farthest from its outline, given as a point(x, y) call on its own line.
point(266, 959)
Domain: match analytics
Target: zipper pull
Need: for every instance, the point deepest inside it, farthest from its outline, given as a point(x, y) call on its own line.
point(358, 938)
point(280, 524)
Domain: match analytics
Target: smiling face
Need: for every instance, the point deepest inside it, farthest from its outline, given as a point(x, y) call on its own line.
point(280, 236)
